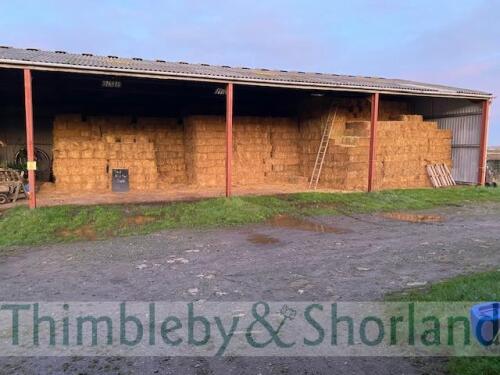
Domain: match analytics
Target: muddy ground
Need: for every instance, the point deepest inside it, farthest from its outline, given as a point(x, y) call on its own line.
point(348, 258)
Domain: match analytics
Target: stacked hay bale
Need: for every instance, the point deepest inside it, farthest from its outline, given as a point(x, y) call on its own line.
point(265, 150)
point(80, 157)
point(86, 152)
point(311, 131)
point(128, 148)
point(167, 134)
point(285, 154)
point(347, 109)
point(251, 150)
point(348, 162)
point(405, 147)
point(205, 150)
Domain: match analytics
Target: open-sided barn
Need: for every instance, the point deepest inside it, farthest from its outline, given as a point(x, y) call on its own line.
point(96, 124)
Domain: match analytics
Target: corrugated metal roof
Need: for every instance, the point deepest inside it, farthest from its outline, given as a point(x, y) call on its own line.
point(60, 60)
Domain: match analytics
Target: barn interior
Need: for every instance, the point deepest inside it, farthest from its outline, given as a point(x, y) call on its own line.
point(170, 137)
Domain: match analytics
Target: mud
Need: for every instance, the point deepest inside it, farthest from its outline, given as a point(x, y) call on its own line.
point(262, 239)
point(85, 232)
point(295, 223)
point(414, 218)
point(139, 220)
point(378, 255)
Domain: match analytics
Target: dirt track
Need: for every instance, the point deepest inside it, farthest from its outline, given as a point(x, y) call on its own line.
point(360, 259)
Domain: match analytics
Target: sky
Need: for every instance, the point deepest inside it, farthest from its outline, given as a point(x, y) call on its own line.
point(453, 42)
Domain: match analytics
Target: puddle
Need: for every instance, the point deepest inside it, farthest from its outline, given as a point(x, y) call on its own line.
point(262, 239)
point(290, 222)
point(414, 218)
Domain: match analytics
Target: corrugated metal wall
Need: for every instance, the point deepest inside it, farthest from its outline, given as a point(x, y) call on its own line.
point(463, 117)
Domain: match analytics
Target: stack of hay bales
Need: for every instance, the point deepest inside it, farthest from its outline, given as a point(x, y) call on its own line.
point(265, 150)
point(251, 150)
point(348, 110)
point(310, 135)
point(311, 131)
point(86, 152)
point(285, 155)
point(404, 148)
point(128, 148)
point(347, 165)
point(167, 134)
point(80, 157)
point(205, 150)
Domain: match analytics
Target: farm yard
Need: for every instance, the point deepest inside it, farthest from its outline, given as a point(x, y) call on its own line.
point(128, 179)
point(344, 247)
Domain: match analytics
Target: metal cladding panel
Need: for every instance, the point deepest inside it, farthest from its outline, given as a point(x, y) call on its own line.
point(464, 118)
point(466, 129)
point(465, 164)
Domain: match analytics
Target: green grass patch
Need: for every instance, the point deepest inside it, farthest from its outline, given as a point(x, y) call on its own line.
point(477, 287)
point(483, 286)
point(393, 200)
point(20, 226)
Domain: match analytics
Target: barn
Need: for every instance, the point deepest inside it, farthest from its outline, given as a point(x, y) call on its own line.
point(108, 129)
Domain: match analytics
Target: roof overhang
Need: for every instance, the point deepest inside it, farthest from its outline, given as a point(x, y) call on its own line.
point(68, 68)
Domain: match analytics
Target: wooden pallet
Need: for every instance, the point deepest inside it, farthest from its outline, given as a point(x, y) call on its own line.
point(440, 175)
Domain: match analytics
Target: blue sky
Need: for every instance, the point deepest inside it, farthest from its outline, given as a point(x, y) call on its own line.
point(441, 41)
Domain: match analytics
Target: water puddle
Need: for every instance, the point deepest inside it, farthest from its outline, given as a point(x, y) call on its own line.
point(262, 239)
point(414, 218)
point(290, 222)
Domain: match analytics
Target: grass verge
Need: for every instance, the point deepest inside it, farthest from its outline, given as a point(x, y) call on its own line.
point(477, 287)
point(20, 226)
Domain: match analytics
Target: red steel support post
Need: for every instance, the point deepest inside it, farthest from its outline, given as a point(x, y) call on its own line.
point(372, 161)
point(28, 106)
point(229, 137)
point(483, 147)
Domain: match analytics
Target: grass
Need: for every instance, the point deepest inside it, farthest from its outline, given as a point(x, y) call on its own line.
point(477, 287)
point(20, 226)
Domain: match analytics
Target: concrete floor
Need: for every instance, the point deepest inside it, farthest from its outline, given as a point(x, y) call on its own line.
point(49, 196)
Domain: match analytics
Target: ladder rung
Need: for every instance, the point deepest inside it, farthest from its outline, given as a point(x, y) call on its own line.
point(323, 146)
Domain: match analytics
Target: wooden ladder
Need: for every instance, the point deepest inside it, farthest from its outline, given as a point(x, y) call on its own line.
point(323, 147)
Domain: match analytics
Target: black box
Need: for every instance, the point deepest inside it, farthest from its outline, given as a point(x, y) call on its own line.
point(119, 180)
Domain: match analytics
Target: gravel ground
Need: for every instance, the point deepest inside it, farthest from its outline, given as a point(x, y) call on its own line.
point(361, 259)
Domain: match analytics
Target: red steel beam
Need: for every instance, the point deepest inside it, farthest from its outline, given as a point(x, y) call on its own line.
point(229, 138)
point(483, 150)
point(28, 106)
point(372, 162)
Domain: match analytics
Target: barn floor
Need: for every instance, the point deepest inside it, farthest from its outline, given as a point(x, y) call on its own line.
point(48, 196)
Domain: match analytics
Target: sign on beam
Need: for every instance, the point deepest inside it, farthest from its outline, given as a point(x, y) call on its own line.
point(111, 84)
